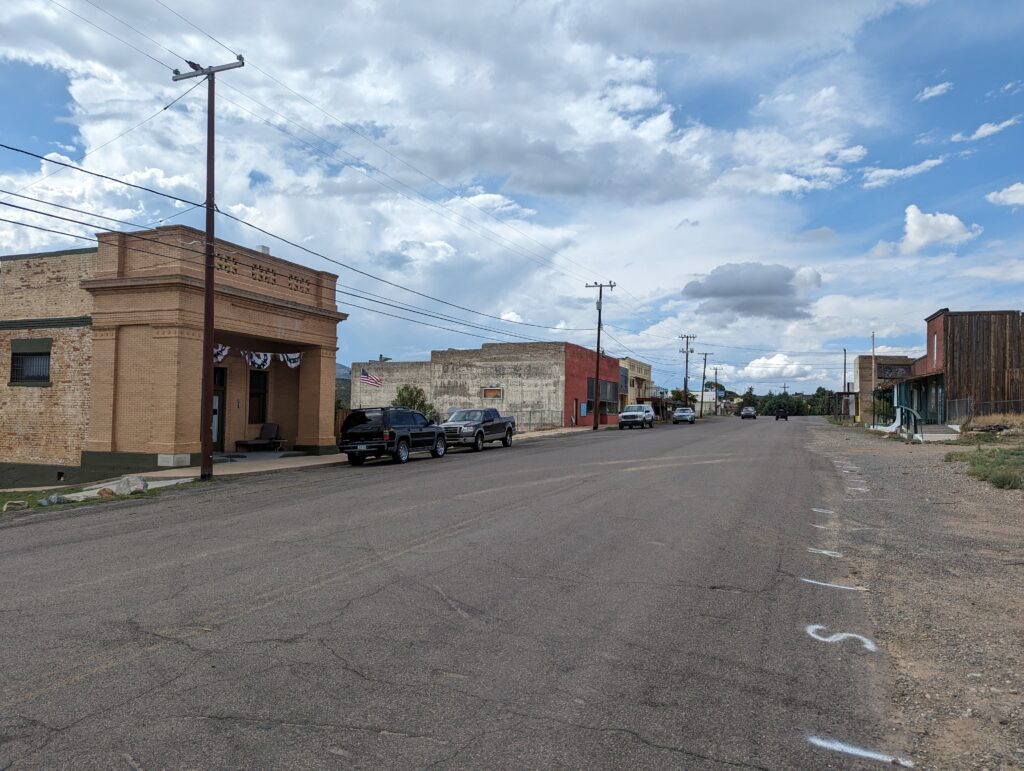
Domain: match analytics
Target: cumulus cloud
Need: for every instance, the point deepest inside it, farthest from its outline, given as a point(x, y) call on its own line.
point(1008, 196)
point(778, 365)
point(922, 229)
point(986, 130)
point(876, 177)
point(933, 91)
point(753, 289)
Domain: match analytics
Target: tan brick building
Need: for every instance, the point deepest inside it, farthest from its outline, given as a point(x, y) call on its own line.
point(100, 355)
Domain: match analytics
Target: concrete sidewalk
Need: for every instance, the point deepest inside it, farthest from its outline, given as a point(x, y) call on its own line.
point(260, 466)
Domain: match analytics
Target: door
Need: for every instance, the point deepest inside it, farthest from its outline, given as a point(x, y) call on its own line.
point(421, 435)
point(491, 427)
point(220, 377)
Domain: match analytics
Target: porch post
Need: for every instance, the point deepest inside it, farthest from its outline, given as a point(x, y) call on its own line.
point(316, 403)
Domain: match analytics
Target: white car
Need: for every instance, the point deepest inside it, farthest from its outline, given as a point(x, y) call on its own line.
point(634, 415)
point(682, 415)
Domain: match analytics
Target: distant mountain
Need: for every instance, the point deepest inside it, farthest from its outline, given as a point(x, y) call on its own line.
point(342, 372)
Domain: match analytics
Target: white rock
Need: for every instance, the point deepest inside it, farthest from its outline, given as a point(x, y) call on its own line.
point(130, 484)
point(15, 506)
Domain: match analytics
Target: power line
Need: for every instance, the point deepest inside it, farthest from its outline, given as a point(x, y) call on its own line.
point(114, 139)
point(108, 32)
point(137, 31)
point(430, 205)
point(372, 141)
point(283, 239)
point(198, 263)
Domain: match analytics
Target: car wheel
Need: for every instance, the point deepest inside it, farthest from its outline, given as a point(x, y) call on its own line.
point(478, 443)
point(356, 459)
point(401, 454)
point(507, 441)
point(621, 426)
point(675, 422)
point(440, 447)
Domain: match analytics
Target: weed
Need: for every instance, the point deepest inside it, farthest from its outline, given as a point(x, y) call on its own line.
point(1002, 467)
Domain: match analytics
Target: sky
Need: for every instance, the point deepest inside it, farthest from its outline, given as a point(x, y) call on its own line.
point(779, 179)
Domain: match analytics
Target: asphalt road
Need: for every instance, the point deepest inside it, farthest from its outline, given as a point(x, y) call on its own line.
point(621, 599)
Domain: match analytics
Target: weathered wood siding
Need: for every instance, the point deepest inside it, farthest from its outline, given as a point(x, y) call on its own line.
point(984, 357)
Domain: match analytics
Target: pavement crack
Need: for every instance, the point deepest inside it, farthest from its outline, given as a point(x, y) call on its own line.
point(637, 736)
point(313, 724)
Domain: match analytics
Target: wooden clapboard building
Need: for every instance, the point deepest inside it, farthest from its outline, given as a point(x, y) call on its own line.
point(973, 365)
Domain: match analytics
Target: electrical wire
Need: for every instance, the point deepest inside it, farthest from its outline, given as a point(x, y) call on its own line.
point(291, 243)
point(114, 139)
point(137, 31)
point(108, 32)
point(196, 262)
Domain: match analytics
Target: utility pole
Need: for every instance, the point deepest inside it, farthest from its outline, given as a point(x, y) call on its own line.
point(785, 389)
point(843, 416)
point(873, 376)
point(597, 363)
point(206, 400)
point(716, 390)
point(686, 376)
point(703, 380)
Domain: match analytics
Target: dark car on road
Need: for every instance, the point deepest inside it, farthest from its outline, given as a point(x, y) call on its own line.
point(389, 431)
point(782, 414)
point(748, 412)
point(478, 426)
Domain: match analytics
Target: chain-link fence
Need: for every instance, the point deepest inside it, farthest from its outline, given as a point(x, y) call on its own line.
point(960, 410)
point(535, 420)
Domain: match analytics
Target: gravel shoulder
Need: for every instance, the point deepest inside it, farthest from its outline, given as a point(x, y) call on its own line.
point(944, 556)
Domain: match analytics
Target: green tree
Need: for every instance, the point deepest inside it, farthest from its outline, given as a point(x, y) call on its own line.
point(414, 398)
point(821, 402)
point(749, 399)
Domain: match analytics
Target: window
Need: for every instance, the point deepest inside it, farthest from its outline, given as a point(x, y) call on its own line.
point(30, 362)
point(935, 350)
point(491, 393)
point(257, 396)
point(418, 420)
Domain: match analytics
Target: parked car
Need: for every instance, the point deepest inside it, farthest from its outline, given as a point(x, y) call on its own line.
point(475, 427)
point(748, 412)
point(782, 414)
point(682, 415)
point(634, 415)
point(389, 431)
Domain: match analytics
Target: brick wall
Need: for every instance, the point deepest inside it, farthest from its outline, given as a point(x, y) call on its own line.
point(579, 365)
point(46, 424)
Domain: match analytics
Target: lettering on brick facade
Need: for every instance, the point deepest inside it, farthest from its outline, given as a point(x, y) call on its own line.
point(228, 264)
point(299, 284)
point(263, 274)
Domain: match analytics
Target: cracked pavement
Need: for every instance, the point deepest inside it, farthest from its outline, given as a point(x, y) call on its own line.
point(607, 600)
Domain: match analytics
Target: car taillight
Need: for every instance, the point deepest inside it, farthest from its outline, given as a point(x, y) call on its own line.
point(387, 435)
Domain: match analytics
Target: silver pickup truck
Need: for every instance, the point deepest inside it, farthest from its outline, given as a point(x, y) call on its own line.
point(478, 426)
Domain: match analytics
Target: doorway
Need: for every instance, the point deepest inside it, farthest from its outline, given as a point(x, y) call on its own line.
point(220, 380)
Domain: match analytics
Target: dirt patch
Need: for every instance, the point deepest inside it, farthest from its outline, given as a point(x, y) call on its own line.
point(946, 566)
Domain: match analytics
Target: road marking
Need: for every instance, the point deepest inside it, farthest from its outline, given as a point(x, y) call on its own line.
point(834, 586)
point(820, 527)
point(826, 552)
point(859, 489)
point(849, 749)
point(813, 631)
point(823, 511)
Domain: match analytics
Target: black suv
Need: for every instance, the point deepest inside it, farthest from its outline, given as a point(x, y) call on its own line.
point(394, 431)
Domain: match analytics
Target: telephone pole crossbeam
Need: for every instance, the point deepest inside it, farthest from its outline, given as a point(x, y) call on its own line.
point(206, 398)
point(597, 363)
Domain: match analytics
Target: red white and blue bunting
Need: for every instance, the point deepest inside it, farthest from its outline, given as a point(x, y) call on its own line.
point(220, 352)
point(293, 360)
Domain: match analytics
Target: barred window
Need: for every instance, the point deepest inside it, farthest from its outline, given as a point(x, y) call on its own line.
point(30, 361)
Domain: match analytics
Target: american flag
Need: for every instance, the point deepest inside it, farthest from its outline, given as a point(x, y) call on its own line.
point(370, 380)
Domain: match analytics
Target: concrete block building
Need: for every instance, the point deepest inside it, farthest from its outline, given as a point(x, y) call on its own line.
point(542, 384)
point(100, 355)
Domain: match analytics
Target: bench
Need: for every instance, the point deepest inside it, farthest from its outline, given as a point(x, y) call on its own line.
point(267, 440)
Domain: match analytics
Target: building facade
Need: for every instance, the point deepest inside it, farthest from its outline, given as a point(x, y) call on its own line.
point(635, 382)
point(543, 385)
point(101, 354)
point(973, 365)
point(887, 370)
